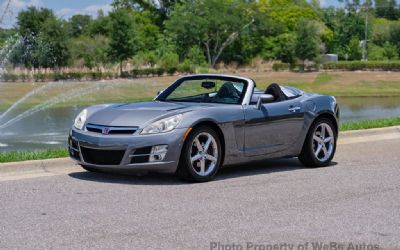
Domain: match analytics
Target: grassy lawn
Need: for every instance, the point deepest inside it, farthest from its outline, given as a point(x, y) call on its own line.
point(340, 84)
point(81, 93)
point(15, 156)
point(366, 124)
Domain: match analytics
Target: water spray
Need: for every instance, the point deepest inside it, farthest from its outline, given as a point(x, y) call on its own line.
point(53, 101)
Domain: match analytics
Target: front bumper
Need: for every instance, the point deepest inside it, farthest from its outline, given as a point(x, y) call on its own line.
point(116, 152)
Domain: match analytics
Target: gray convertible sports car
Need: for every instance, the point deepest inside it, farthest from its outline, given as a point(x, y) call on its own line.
point(203, 122)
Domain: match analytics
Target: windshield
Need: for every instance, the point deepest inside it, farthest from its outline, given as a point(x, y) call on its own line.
point(205, 90)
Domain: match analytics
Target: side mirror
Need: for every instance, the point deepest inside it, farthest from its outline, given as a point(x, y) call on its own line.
point(264, 98)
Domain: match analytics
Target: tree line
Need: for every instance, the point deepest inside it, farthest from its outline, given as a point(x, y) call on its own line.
point(203, 33)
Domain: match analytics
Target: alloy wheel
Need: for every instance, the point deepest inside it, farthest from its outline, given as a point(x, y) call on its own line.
point(204, 154)
point(323, 142)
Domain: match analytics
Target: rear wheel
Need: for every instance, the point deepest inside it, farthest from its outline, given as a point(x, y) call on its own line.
point(201, 155)
point(320, 144)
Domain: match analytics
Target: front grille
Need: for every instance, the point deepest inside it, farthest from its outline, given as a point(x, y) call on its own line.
point(94, 129)
point(111, 130)
point(102, 156)
point(141, 155)
point(122, 131)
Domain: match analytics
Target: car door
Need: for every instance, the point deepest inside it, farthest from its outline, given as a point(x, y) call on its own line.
point(273, 127)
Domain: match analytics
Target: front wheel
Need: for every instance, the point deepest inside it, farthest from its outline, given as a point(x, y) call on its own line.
point(201, 155)
point(320, 144)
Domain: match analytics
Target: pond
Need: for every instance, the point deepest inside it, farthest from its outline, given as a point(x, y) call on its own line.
point(49, 128)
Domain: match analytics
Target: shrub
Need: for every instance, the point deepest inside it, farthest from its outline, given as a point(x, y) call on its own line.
point(9, 77)
point(171, 70)
point(160, 71)
point(195, 56)
point(280, 66)
point(169, 60)
point(186, 67)
point(375, 52)
point(361, 65)
point(56, 76)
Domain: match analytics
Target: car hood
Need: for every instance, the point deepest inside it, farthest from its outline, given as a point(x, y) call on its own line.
point(136, 114)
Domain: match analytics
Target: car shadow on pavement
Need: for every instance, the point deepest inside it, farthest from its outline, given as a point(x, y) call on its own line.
point(237, 171)
point(262, 167)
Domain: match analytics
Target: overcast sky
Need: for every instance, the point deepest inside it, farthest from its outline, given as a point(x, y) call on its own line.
point(68, 8)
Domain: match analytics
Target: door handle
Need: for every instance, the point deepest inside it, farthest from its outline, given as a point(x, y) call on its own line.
point(294, 109)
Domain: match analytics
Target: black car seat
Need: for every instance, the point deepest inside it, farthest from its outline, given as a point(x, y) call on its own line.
point(228, 91)
point(276, 91)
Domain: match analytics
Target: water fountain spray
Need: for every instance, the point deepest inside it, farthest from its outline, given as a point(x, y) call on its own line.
point(53, 101)
point(5, 11)
point(27, 96)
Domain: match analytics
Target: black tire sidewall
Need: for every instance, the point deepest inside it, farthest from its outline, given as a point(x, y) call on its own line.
point(309, 151)
point(185, 161)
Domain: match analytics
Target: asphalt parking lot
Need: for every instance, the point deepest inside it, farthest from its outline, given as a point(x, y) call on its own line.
point(355, 202)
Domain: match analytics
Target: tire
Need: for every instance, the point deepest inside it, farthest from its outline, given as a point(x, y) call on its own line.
point(90, 169)
point(206, 163)
point(319, 152)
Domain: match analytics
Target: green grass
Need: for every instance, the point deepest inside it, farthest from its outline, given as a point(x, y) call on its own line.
point(366, 124)
point(323, 78)
point(14, 156)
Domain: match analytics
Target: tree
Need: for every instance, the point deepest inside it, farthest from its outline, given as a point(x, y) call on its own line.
point(390, 51)
point(122, 36)
point(212, 24)
point(288, 12)
point(92, 51)
point(44, 39)
point(354, 51)
point(250, 43)
point(146, 31)
point(79, 25)
point(196, 56)
point(387, 9)
point(394, 30)
point(344, 25)
point(100, 25)
point(380, 31)
point(307, 41)
point(52, 49)
point(160, 9)
point(31, 20)
point(281, 47)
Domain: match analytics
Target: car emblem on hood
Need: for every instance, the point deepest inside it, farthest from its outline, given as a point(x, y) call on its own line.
point(106, 131)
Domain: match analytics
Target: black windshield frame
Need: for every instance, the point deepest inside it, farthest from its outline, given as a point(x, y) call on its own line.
point(164, 95)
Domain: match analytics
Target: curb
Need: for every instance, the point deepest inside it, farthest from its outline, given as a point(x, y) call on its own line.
point(36, 166)
point(61, 164)
point(369, 132)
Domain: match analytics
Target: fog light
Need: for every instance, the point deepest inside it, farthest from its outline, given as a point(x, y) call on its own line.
point(158, 153)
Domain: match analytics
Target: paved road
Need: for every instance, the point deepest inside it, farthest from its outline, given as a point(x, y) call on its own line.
point(357, 200)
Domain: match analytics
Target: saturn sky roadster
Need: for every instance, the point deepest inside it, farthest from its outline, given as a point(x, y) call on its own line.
point(203, 122)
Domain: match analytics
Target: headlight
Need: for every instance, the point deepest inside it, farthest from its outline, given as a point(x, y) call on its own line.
point(163, 125)
point(80, 119)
